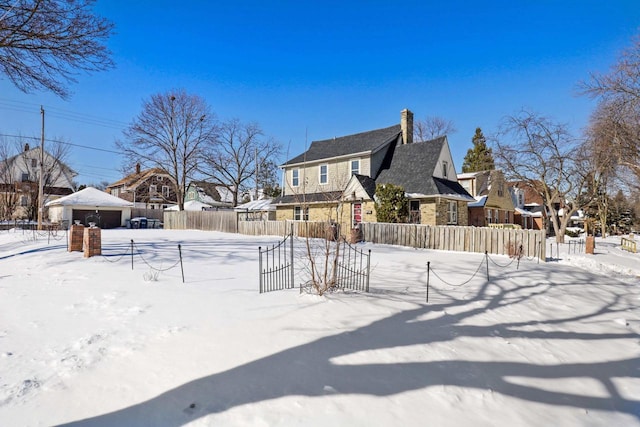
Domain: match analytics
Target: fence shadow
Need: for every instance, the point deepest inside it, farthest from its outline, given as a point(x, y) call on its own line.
point(308, 369)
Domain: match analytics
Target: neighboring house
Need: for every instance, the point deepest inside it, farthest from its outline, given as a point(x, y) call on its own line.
point(90, 206)
point(335, 179)
point(256, 210)
point(529, 207)
point(148, 189)
point(20, 181)
point(214, 195)
point(493, 203)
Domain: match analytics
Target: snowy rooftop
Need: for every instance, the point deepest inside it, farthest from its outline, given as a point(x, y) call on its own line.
point(90, 197)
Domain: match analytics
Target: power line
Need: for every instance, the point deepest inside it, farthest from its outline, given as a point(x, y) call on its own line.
point(27, 107)
point(64, 142)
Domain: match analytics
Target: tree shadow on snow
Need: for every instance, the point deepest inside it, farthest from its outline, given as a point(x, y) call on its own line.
point(307, 369)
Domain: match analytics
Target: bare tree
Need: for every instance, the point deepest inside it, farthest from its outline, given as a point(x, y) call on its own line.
point(236, 155)
point(432, 127)
point(170, 133)
point(44, 42)
point(618, 112)
point(542, 154)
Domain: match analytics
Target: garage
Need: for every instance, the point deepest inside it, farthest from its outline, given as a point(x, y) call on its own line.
point(90, 206)
point(102, 218)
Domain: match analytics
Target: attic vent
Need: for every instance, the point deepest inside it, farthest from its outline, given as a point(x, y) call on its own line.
point(158, 178)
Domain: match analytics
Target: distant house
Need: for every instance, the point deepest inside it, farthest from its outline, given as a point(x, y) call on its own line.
point(256, 210)
point(530, 211)
point(148, 189)
point(214, 195)
point(493, 203)
point(335, 179)
point(20, 181)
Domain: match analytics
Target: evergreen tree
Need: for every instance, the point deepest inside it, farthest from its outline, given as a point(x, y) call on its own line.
point(479, 158)
point(391, 204)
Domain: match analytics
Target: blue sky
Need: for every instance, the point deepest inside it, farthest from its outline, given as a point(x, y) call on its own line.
point(310, 70)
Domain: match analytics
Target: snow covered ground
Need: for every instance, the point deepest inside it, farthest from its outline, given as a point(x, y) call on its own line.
point(91, 342)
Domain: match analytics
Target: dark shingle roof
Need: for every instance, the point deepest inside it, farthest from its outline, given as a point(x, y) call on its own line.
point(299, 199)
point(350, 144)
point(412, 167)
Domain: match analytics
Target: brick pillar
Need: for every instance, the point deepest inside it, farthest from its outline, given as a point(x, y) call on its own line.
point(75, 237)
point(92, 242)
point(591, 244)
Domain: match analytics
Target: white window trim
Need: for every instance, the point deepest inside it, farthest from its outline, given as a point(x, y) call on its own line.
point(358, 169)
point(326, 174)
point(295, 176)
point(300, 213)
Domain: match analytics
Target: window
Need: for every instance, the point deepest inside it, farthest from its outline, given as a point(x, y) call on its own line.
point(445, 168)
point(489, 216)
point(324, 174)
point(298, 214)
point(165, 191)
point(34, 163)
point(153, 189)
point(520, 199)
point(414, 211)
point(500, 189)
point(114, 192)
point(25, 177)
point(355, 167)
point(295, 177)
point(452, 213)
point(23, 200)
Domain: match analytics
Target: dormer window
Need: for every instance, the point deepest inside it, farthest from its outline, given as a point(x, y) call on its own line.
point(34, 163)
point(445, 168)
point(324, 174)
point(355, 167)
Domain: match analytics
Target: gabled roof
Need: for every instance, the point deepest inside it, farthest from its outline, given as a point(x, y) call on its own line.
point(135, 179)
point(351, 144)
point(367, 183)
point(90, 197)
point(412, 167)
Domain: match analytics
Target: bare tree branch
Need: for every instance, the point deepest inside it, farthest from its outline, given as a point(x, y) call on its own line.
point(43, 43)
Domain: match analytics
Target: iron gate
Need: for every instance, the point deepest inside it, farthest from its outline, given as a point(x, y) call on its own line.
point(353, 268)
point(276, 266)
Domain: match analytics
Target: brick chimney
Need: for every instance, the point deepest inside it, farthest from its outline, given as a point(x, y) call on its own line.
point(406, 124)
point(138, 168)
point(26, 147)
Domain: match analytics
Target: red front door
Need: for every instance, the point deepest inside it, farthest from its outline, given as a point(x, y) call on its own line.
point(357, 213)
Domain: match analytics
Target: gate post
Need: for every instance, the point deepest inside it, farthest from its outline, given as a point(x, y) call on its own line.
point(260, 267)
point(291, 255)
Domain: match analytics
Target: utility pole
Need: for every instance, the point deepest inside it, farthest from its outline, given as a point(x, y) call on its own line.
point(41, 173)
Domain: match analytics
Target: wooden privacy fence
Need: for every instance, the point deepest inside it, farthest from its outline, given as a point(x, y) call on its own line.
point(498, 241)
point(462, 239)
point(313, 229)
point(224, 221)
